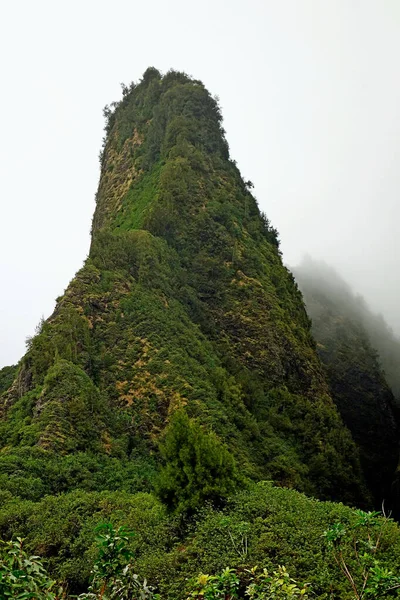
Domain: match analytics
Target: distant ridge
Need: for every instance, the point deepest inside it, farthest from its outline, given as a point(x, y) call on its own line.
point(361, 357)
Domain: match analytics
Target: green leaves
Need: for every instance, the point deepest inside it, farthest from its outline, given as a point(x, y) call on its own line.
point(197, 466)
point(367, 519)
point(367, 578)
point(23, 576)
point(216, 587)
point(335, 533)
point(382, 582)
point(264, 586)
point(112, 555)
point(278, 585)
point(113, 576)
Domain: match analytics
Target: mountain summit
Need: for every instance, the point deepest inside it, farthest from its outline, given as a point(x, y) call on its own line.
point(182, 305)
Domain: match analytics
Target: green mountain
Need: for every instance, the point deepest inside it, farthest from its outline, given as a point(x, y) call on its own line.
point(177, 372)
point(183, 302)
point(358, 352)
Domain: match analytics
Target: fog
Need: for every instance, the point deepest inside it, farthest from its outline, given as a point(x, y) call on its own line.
point(323, 287)
point(310, 95)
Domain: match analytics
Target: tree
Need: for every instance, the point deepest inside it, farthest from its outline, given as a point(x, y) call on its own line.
point(198, 466)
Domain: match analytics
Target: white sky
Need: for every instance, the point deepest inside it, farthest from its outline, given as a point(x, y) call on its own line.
point(310, 93)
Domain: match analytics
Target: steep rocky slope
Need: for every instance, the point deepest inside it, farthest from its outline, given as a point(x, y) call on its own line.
point(183, 302)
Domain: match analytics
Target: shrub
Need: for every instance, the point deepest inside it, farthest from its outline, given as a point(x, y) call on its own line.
point(23, 576)
point(367, 577)
point(198, 467)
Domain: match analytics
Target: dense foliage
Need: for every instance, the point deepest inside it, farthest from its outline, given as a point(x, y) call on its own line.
point(197, 469)
point(23, 576)
point(357, 374)
point(183, 303)
point(177, 369)
point(262, 526)
point(368, 578)
point(7, 375)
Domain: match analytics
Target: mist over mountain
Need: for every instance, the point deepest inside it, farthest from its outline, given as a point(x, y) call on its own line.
point(361, 357)
point(317, 277)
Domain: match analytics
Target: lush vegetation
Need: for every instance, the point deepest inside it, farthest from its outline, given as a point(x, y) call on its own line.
point(7, 375)
point(216, 550)
point(359, 383)
point(197, 469)
point(183, 303)
point(177, 370)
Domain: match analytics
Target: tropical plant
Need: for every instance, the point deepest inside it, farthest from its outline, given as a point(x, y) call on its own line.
point(263, 586)
point(369, 579)
point(113, 576)
point(224, 586)
point(23, 576)
point(278, 585)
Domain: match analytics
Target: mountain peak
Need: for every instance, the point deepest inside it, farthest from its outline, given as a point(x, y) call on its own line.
point(159, 119)
point(183, 303)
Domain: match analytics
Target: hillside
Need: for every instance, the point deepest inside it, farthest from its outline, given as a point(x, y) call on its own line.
point(359, 352)
point(183, 302)
point(178, 372)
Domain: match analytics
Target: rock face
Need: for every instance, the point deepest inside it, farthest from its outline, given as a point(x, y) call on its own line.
point(346, 333)
point(183, 303)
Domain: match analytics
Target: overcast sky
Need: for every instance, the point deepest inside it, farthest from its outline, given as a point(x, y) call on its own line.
point(310, 93)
